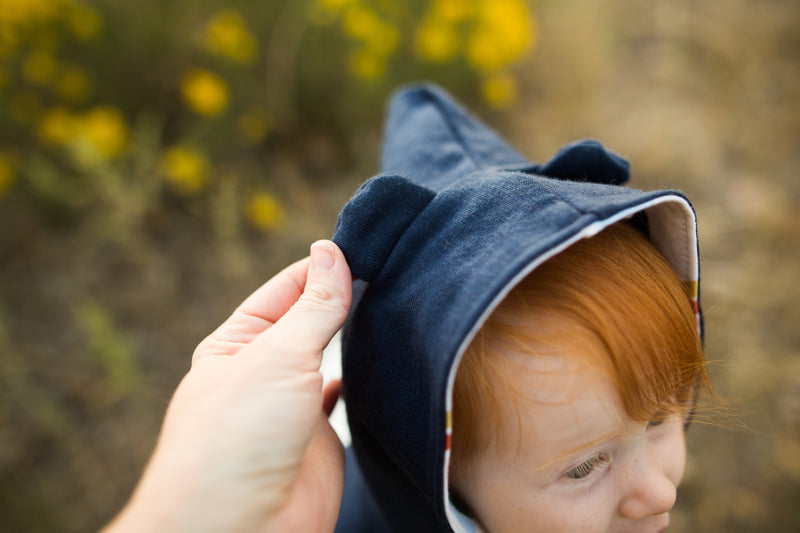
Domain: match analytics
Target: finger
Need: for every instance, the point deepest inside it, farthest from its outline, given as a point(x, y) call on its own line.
point(258, 312)
point(330, 395)
point(309, 325)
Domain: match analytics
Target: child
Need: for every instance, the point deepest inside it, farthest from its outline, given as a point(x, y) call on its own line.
point(569, 405)
point(524, 349)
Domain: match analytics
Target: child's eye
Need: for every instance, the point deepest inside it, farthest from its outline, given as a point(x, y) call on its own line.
point(657, 420)
point(584, 469)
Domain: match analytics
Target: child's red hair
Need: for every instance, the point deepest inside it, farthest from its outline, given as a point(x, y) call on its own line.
point(613, 299)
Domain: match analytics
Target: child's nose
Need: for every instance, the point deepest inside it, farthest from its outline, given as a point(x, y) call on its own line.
point(649, 490)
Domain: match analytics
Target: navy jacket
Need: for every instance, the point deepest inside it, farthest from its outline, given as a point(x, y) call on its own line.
point(456, 219)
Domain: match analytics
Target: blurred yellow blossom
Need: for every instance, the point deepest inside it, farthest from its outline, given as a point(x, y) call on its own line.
point(385, 40)
point(376, 39)
point(38, 67)
point(105, 129)
point(504, 30)
point(205, 92)
point(84, 22)
point(265, 212)
point(365, 26)
point(21, 12)
point(438, 37)
point(452, 10)
point(7, 172)
point(72, 84)
point(500, 90)
point(58, 126)
point(185, 169)
point(436, 42)
point(254, 124)
point(360, 22)
point(227, 35)
point(366, 64)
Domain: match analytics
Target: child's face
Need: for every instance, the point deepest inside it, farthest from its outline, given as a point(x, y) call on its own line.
point(582, 464)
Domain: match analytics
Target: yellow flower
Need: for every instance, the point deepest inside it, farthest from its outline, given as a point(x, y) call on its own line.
point(500, 90)
point(504, 30)
point(205, 92)
point(265, 212)
point(364, 25)
point(72, 84)
point(367, 65)
point(228, 35)
point(360, 22)
point(254, 124)
point(58, 127)
point(436, 42)
point(384, 39)
point(185, 169)
point(38, 67)
point(84, 22)
point(105, 129)
point(452, 10)
point(21, 12)
point(7, 173)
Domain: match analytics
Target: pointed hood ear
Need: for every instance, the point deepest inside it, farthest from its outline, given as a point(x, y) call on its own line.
point(587, 160)
point(433, 140)
point(374, 220)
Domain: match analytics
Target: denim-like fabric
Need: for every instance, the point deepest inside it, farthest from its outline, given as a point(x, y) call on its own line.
point(454, 217)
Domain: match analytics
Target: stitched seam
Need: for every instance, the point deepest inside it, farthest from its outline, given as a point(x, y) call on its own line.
point(454, 132)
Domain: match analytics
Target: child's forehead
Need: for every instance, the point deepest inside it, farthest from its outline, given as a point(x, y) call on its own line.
point(557, 404)
point(554, 375)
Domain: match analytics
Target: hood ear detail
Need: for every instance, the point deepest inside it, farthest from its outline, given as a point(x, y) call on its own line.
point(427, 131)
point(587, 160)
point(375, 218)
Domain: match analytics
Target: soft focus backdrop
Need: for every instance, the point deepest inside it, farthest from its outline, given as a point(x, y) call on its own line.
point(161, 159)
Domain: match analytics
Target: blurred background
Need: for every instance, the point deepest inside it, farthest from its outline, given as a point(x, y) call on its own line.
point(161, 159)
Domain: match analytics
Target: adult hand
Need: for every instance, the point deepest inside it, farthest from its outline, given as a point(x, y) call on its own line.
point(246, 444)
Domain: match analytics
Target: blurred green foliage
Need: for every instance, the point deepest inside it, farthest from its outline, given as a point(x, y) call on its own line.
point(97, 96)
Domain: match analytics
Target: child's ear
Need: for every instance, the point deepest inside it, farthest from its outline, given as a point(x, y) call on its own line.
point(375, 218)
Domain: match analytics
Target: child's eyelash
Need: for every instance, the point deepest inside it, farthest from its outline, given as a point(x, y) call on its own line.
point(584, 469)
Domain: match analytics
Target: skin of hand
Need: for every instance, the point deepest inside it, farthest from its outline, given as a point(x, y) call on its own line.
point(246, 444)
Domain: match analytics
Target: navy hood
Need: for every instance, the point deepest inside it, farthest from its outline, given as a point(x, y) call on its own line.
point(456, 219)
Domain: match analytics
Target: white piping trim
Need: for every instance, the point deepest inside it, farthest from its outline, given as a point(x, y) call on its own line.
point(684, 261)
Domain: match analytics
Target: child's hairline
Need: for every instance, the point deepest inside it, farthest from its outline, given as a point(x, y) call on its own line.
point(587, 232)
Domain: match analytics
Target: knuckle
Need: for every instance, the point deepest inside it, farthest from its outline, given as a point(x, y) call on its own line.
point(324, 297)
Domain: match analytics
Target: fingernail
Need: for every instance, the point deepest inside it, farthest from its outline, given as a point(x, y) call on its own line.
point(321, 256)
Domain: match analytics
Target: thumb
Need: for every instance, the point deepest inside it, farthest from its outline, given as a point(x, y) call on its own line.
point(312, 321)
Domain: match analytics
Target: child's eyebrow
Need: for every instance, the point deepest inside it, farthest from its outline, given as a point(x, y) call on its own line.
point(578, 449)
